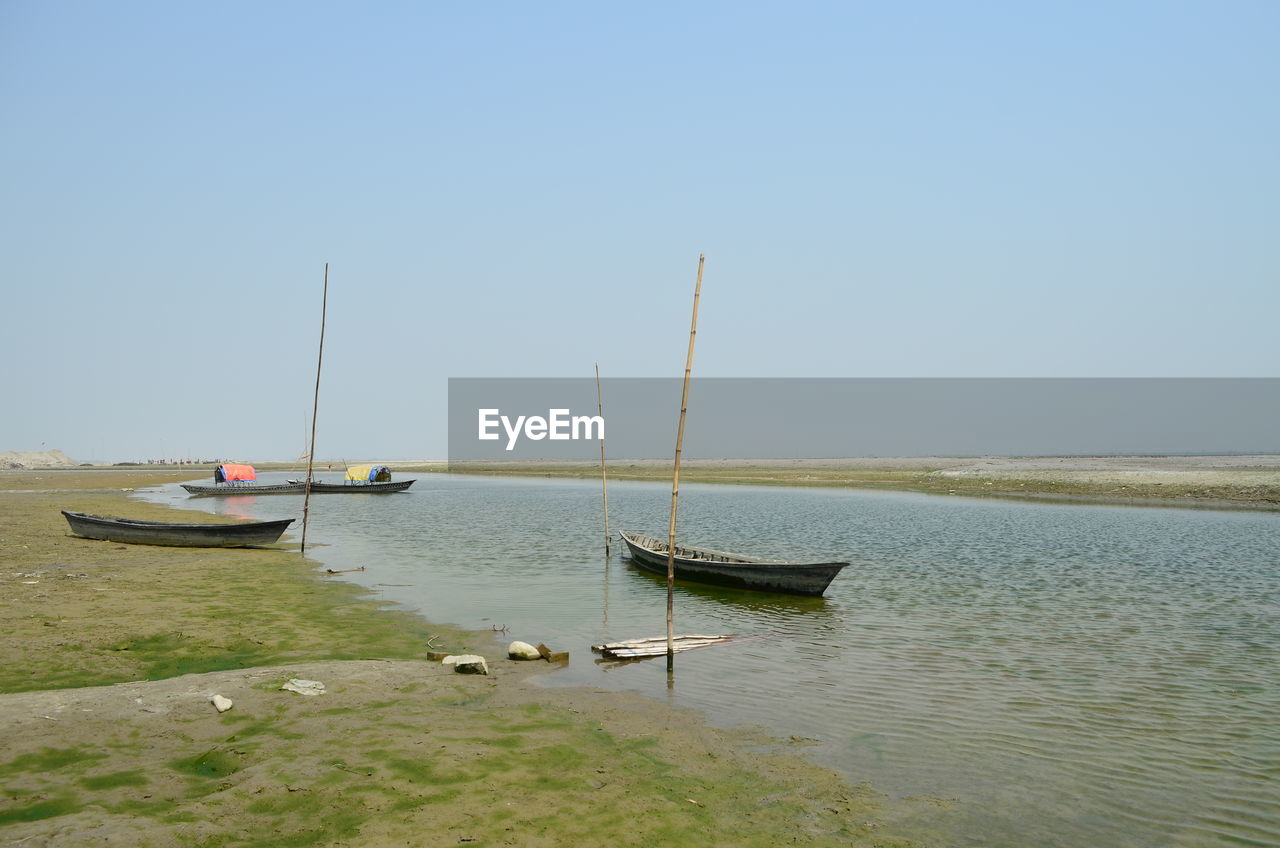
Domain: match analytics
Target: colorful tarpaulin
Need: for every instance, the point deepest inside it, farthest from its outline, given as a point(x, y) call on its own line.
point(369, 473)
point(228, 473)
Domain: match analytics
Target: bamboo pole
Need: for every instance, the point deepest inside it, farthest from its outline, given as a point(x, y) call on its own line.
point(315, 409)
point(675, 476)
point(604, 476)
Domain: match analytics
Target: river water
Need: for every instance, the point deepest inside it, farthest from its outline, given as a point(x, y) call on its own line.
point(1008, 673)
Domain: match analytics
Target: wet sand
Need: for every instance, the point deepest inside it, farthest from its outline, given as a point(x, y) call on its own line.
point(111, 654)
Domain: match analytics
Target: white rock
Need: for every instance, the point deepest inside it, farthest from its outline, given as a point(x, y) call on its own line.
point(467, 664)
point(223, 704)
point(304, 687)
point(523, 651)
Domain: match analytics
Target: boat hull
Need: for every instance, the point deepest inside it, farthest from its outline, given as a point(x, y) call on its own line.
point(226, 489)
point(699, 565)
point(359, 488)
point(172, 534)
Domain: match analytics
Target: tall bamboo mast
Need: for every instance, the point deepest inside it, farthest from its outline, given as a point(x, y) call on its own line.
point(675, 476)
point(315, 409)
point(604, 477)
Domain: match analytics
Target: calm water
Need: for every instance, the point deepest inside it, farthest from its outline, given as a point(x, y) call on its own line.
point(1044, 674)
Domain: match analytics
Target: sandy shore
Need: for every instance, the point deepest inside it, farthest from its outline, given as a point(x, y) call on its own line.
point(1214, 481)
point(111, 654)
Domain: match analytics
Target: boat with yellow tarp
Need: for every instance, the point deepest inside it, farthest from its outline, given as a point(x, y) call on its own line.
point(361, 480)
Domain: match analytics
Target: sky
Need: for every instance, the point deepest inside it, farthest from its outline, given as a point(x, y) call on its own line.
point(917, 189)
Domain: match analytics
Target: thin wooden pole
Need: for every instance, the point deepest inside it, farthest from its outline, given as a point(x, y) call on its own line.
point(315, 409)
point(675, 477)
point(604, 476)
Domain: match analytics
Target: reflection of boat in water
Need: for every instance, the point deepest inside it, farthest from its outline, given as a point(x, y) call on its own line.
point(175, 534)
point(776, 608)
point(702, 565)
point(231, 479)
point(360, 480)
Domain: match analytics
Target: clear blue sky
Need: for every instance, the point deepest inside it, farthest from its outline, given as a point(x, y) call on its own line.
point(521, 189)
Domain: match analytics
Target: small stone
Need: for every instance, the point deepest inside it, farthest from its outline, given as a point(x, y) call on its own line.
point(222, 704)
point(467, 664)
point(522, 651)
point(552, 656)
point(304, 687)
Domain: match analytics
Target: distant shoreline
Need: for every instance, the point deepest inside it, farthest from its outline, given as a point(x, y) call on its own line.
point(1249, 481)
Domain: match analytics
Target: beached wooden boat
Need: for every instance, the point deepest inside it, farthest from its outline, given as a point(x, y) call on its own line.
point(701, 565)
point(176, 534)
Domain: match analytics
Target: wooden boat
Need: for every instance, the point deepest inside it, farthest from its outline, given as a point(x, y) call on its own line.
point(701, 565)
point(359, 488)
point(238, 479)
point(360, 480)
point(138, 532)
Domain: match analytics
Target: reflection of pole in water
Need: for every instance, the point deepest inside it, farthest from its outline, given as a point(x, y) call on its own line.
point(605, 623)
point(604, 477)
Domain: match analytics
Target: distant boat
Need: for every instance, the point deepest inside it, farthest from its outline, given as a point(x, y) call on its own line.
point(701, 565)
point(361, 480)
point(238, 479)
point(137, 532)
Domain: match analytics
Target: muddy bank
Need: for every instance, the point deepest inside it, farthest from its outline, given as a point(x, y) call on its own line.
point(111, 653)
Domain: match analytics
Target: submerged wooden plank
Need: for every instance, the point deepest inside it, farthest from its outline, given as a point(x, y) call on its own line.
point(656, 646)
point(627, 643)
